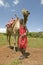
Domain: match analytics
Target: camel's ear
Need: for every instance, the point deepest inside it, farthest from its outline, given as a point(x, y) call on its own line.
point(24, 10)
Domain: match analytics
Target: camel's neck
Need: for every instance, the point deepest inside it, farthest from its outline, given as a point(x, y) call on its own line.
point(16, 25)
point(25, 19)
point(13, 24)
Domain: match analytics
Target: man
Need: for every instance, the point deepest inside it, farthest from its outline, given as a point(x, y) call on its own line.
point(22, 40)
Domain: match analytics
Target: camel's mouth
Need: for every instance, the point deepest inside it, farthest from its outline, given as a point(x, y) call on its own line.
point(29, 13)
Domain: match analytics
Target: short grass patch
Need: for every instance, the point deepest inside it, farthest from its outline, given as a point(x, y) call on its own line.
point(16, 62)
point(35, 42)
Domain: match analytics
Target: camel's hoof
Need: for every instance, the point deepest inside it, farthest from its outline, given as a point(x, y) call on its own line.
point(16, 49)
point(11, 47)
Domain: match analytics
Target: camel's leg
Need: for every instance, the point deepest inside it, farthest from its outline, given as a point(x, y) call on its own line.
point(14, 42)
point(7, 37)
point(9, 40)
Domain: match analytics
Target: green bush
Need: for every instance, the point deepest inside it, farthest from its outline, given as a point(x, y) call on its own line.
point(35, 34)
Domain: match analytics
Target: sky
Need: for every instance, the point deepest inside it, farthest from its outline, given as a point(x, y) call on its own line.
point(8, 9)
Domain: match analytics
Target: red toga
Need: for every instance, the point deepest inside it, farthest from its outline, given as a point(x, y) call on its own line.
point(22, 41)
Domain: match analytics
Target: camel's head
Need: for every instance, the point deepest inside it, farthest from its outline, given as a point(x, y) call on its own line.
point(25, 12)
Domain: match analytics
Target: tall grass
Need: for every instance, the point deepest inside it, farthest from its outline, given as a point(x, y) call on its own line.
point(32, 42)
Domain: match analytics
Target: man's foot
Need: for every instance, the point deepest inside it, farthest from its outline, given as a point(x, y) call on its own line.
point(21, 57)
point(26, 54)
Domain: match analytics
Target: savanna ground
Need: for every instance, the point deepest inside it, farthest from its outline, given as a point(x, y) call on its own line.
point(9, 57)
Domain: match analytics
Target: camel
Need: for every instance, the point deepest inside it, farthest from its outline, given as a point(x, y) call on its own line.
point(13, 29)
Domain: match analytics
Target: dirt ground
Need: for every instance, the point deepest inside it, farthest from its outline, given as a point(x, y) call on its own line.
point(8, 55)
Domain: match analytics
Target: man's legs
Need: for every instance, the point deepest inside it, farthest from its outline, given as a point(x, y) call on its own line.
point(23, 54)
